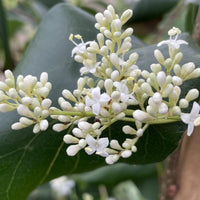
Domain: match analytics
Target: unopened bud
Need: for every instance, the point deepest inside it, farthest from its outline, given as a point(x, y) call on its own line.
point(183, 103)
point(192, 94)
point(126, 15)
point(159, 56)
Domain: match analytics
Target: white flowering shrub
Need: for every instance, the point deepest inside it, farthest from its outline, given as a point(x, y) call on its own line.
point(125, 105)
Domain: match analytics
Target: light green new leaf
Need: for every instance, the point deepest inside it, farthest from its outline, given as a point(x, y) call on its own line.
point(27, 160)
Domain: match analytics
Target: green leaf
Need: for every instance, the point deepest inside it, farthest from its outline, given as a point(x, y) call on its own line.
point(27, 160)
point(147, 9)
point(127, 190)
point(4, 39)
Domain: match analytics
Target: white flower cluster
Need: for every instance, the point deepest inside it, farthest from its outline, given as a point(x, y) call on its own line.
point(28, 96)
point(118, 85)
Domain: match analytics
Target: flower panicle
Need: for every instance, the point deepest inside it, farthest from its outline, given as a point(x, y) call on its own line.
point(116, 85)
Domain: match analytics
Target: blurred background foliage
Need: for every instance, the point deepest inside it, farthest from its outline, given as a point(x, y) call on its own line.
point(19, 20)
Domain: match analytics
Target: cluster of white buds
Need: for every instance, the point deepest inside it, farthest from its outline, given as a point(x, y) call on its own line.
point(28, 96)
point(117, 86)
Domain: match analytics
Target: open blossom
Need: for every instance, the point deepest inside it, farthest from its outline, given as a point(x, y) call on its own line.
point(123, 89)
point(96, 145)
point(173, 41)
point(96, 100)
point(79, 48)
point(189, 118)
point(89, 68)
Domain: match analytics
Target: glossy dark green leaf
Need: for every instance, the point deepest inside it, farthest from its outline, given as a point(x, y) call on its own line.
point(27, 160)
point(150, 9)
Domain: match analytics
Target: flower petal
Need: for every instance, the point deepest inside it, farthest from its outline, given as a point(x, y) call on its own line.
point(91, 141)
point(185, 118)
point(89, 102)
point(103, 143)
point(104, 98)
point(96, 108)
point(190, 128)
point(96, 93)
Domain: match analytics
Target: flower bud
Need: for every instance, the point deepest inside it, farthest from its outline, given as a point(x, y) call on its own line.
point(187, 69)
point(3, 86)
point(44, 125)
point(126, 154)
point(116, 107)
point(100, 39)
point(126, 33)
point(36, 128)
point(44, 92)
point(128, 130)
point(111, 159)
point(108, 34)
point(46, 103)
point(157, 98)
point(155, 68)
point(99, 17)
point(177, 80)
point(26, 121)
point(43, 77)
point(17, 126)
point(23, 110)
point(115, 75)
point(194, 74)
point(70, 139)
point(177, 69)
point(84, 125)
point(78, 133)
point(147, 88)
point(108, 84)
point(116, 95)
point(66, 106)
point(159, 56)
point(108, 15)
point(126, 15)
point(141, 116)
point(140, 132)
point(72, 150)
point(12, 93)
point(68, 95)
point(115, 145)
point(178, 58)
point(104, 50)
point(163, 109)
point(176, 111)
point(78, 58)
point(114, 59)
point(168, 90)
point(6, 108)
point(161, 78)
point(37, 111)
point(183, 103)
point(192, 94)
point(134, 149)
point(116, 25)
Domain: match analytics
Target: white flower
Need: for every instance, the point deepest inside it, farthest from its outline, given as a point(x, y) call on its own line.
point(80, 48)
point(89, 68)
point(189, 118)
point(173, 42)
point(123, 89)
point(62, 185)
point(96, 99)
point(96, 145)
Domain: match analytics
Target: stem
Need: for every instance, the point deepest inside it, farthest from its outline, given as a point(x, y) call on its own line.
point(71, 113)
point(196, 32)
point(156, 121)
point(4, 37)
